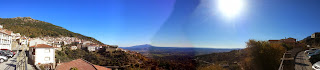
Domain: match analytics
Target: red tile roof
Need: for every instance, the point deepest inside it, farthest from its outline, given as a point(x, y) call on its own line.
point(9, 32)
point(42, 46)
point(5, 31)
point(79, 64)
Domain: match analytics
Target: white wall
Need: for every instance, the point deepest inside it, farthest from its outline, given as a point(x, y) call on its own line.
point(41, 55)
point(91, 48)
point(37, 41)
point(5, 41)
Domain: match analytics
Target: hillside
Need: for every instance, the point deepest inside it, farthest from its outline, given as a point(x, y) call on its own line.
point(36, 28)
point(314, 42)
point(230, 58)
point(175, 58)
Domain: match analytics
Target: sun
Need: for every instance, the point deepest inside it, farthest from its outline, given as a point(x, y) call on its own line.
point(230, 8)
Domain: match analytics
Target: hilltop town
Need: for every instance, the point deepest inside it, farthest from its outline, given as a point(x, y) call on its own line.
point(58, 52)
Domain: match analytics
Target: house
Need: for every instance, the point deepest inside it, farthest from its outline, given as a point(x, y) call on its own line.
point(42, 54)
point(275, 41)
point(80, 64)
point(56, 44)
point(23, 41)
point(315, 35)
point(92, 48)
point(5, 38)
point(16, 36)
point(87, 42)
point(36, 41)
point(289, 41)
point(112, 48)
point(73, 47)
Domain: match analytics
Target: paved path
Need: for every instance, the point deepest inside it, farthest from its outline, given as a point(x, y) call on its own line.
point(302, 62)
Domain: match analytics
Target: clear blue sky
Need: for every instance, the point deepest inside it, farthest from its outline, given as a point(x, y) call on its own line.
point(173, 23)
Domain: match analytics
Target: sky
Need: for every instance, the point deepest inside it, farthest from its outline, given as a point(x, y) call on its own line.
point(175, 23)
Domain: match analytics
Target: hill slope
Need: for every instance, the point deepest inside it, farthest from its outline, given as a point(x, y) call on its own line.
point(36, 28)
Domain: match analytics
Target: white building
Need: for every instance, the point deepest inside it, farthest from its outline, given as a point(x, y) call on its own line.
point(91, 48)
point(23, 41)
point(16, 36)
point(42, 54)
point(73, 47)
point(5, 38)
point(36, 41)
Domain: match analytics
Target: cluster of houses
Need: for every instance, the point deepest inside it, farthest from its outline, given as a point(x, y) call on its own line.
point(7, 37)
point(42, 49)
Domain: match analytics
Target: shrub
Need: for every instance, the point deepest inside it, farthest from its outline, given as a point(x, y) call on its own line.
point(263, 55)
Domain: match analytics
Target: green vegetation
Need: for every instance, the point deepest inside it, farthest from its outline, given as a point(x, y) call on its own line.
point(36, 28)
point(74, 68)
point(230, 58)
point(314, 42)
point(115, 58)
point(258, 55)
point(262, 55)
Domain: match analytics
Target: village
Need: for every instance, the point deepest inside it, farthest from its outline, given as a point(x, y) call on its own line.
point(41, 51)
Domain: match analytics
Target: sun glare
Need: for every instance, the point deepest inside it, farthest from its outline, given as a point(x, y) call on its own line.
point(230, 8)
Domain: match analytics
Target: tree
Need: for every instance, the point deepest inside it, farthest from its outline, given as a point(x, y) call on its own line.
point(263, 55)
point(74, 68)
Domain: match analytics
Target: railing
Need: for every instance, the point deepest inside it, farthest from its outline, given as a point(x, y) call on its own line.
point(22, 64)
point(287, 60)
point(22, 60)
point(281, 64)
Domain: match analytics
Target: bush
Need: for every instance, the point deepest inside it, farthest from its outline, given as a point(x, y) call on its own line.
point(263, 55)
point(74, 68)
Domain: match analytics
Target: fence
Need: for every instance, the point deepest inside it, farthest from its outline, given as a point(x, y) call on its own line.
point(287, 60)
point(22, 60)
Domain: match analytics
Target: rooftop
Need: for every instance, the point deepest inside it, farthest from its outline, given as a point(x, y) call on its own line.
point(81, 65)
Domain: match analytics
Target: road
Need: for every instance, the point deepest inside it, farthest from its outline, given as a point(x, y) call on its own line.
point(9, 65)
point(302, 62)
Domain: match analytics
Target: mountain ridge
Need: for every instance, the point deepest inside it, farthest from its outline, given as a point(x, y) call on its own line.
point(146, 45)
point(147, 48)
point(30, 27)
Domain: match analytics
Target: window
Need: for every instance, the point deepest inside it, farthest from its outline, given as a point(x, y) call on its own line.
point(33, 52)
point(47, 58)
point(47, 50)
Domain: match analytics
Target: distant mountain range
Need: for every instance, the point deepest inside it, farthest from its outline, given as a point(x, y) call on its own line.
point(147, 48)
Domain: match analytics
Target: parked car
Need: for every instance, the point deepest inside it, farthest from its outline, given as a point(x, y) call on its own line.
point(4, 53)
point(316, 65)
point(310, 50)
point(3, 58)
point(7, 50)
point(314, 53)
